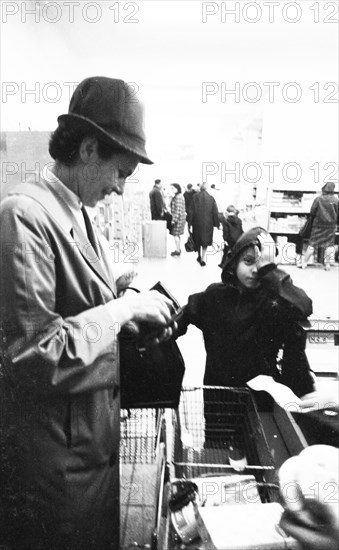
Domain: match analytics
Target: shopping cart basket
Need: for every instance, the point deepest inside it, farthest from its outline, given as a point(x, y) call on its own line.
point(210, 422)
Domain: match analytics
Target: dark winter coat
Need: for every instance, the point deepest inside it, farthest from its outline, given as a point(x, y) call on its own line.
point(157, 203)
point(188, 196)
point(231, 229)
point(324, 212)
point(247, 331)
point(203, 216)
point(60, 379)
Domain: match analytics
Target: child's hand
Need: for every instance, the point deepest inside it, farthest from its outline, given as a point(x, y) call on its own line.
point(267, 253)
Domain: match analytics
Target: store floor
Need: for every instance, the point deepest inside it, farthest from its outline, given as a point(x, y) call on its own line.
point(183, 276)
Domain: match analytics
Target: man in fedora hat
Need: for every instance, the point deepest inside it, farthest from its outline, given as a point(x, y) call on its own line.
point(60, 320)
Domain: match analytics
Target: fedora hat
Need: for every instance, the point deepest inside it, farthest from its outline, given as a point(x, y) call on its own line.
point(110, 108)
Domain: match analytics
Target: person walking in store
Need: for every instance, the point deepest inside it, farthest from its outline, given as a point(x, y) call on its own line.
point(324, 212)
point(60, 322)
point(203, 217)
point(249, 319)
point(157, 201)
point(178, 213)
point(231, 230)
point(188, 196)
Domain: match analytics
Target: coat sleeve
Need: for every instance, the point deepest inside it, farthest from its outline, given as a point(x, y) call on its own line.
point(314, 207)
point(294, 306)
point(175, 209)
point(298, 305)
point(295, 369)
point(42, 351)
point(215, 212)
point(195, 313)
point(159, 203)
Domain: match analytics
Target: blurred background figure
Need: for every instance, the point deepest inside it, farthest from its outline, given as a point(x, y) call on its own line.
point(188, 196)
point(157, 202)
point(231, 230)
point(203, 217)
point(324, 212)
point(178, 213)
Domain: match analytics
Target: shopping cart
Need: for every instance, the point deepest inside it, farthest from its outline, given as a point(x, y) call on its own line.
point(142, 473)
point(210, 422)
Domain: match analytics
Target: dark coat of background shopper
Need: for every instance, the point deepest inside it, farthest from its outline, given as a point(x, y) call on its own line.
point(231, 230)
point(188, 196)
point(203, 217)
point(324, 212)
point(178, 213)
point(248, 319)
point(157, 202)
point(60, 322)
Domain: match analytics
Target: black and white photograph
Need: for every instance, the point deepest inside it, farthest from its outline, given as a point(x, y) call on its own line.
point(169, 276)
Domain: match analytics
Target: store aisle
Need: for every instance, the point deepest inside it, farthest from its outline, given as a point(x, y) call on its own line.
point(184, 276)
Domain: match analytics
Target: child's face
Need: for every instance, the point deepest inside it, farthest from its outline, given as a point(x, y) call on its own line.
point(246, 270)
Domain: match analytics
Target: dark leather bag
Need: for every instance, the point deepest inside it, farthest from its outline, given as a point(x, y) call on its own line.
point(167, 217)
point(190, 244)
point(150, 377)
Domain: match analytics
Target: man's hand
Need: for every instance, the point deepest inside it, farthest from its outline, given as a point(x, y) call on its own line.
point(125, 280)
point(149, 307)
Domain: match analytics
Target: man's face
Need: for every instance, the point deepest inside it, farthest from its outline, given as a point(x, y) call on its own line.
point(101, 177)
point(246, 270)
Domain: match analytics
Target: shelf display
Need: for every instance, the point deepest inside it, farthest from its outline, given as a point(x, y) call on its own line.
point(288, 211)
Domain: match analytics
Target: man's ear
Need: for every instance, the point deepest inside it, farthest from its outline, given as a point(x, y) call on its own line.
point(88, 151)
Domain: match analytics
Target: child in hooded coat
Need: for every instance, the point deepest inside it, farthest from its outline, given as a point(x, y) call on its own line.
point(231, 230)
point(249, 320)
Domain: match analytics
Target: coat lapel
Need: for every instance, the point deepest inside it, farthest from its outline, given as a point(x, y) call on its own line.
point(44, 193)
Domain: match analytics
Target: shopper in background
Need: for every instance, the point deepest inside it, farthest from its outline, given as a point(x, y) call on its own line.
point(324, 212)
point(249, 319)
point(203, 217)
point(188, 196)
point(60, 321)
point(178, 213)
point(231, 230)
point(157, 201)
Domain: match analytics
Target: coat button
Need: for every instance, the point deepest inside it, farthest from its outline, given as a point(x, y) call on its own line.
point(116, 391)
point(112, 459)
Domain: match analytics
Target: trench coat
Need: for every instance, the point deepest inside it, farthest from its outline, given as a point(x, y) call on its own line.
point(60, 378)
point(203, 216)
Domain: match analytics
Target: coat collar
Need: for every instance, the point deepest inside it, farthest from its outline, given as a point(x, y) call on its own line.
point(43, 192)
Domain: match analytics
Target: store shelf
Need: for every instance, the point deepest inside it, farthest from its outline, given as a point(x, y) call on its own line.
point(284, 232)
point(289, 211)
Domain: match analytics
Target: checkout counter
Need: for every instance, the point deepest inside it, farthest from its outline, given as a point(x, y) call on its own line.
point(164, 452)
